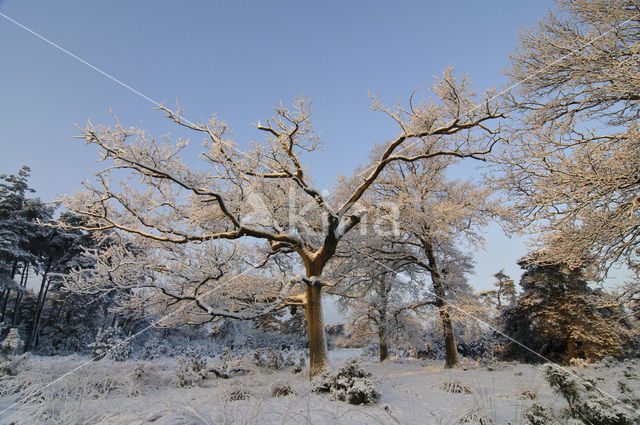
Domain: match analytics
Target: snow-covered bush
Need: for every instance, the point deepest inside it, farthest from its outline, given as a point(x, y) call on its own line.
point(474, 416)
point(151, 349)
point(586, 402)
point(454, 386)
point(350, 383)
point(607, 361)
point(11, 367)
point(110, 344)
point(538, 415)
point(281, 389)
point(192, 369)
point(238, 394)
point(12, 342)
point(273, 359)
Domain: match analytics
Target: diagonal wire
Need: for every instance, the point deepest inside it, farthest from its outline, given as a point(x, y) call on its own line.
point(507, 90)
point(120, 82)
point(513, 86)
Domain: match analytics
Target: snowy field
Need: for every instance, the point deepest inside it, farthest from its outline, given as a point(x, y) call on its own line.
point(138, 392)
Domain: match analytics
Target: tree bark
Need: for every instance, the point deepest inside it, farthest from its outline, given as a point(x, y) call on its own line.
point(36, 339)
point(571, 349)
point(451, 350)
point(4, 305)
point(39, 306)
point(382, 324)
point(384, 348)
point(23, 283)
point(318, 354)
point(449, 339)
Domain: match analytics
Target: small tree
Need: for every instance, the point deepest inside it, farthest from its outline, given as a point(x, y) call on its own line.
point(505, 290)
point(12, 342)
point(376, 294)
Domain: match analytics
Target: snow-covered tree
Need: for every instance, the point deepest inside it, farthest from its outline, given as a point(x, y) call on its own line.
point(172, 212)
point(22, 238)
point(572, 165)
point(58, 250)
point(377, 292)
point(15, 256)
point(12, 342)
point(438, 216)
point(559, 315)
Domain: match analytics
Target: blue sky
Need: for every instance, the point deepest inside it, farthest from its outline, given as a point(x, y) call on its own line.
point(238, 59)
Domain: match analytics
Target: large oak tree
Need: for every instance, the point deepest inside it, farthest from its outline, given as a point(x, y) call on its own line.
point(148, 195)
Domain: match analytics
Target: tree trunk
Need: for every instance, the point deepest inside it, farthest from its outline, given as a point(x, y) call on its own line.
point(383, 321)
point(382, 340)
point(38, 312)
point(571, 349)
point(14, 269)
point(318, 354)
point(36, 339)
point(449, 339)
point(23, 283)
point(7, 292)
point(451, 351)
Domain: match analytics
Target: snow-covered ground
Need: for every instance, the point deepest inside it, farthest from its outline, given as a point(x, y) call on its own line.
point(142, 392)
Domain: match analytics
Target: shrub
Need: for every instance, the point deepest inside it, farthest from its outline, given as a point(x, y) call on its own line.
point(12, 366)
point(350, 383)
point(280, 390)
point(454, 386)
point(192, 370)
point(238, 394)
point(110, 345)
point(538, 415)
point(475, 416)
point(586, 402)
point(12, 342)
point(273, 359)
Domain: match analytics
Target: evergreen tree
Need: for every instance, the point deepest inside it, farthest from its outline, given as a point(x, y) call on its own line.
point(559, 316)
point(19, 228)
point(505, 291)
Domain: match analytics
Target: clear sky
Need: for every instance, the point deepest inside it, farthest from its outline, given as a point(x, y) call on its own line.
point(238, 59)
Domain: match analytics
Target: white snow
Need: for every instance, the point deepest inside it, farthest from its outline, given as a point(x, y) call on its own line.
point(107, 392)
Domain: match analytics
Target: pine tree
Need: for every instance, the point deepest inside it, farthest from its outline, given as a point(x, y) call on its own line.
point(561, 317)
point(505, 291)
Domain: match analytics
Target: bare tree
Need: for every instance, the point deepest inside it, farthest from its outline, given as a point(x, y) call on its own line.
point(255, 196)
point(572, 168)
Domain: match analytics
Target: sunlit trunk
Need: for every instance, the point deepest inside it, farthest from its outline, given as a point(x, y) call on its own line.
point(318, 354)
point(451, 355)
point(382, 325)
